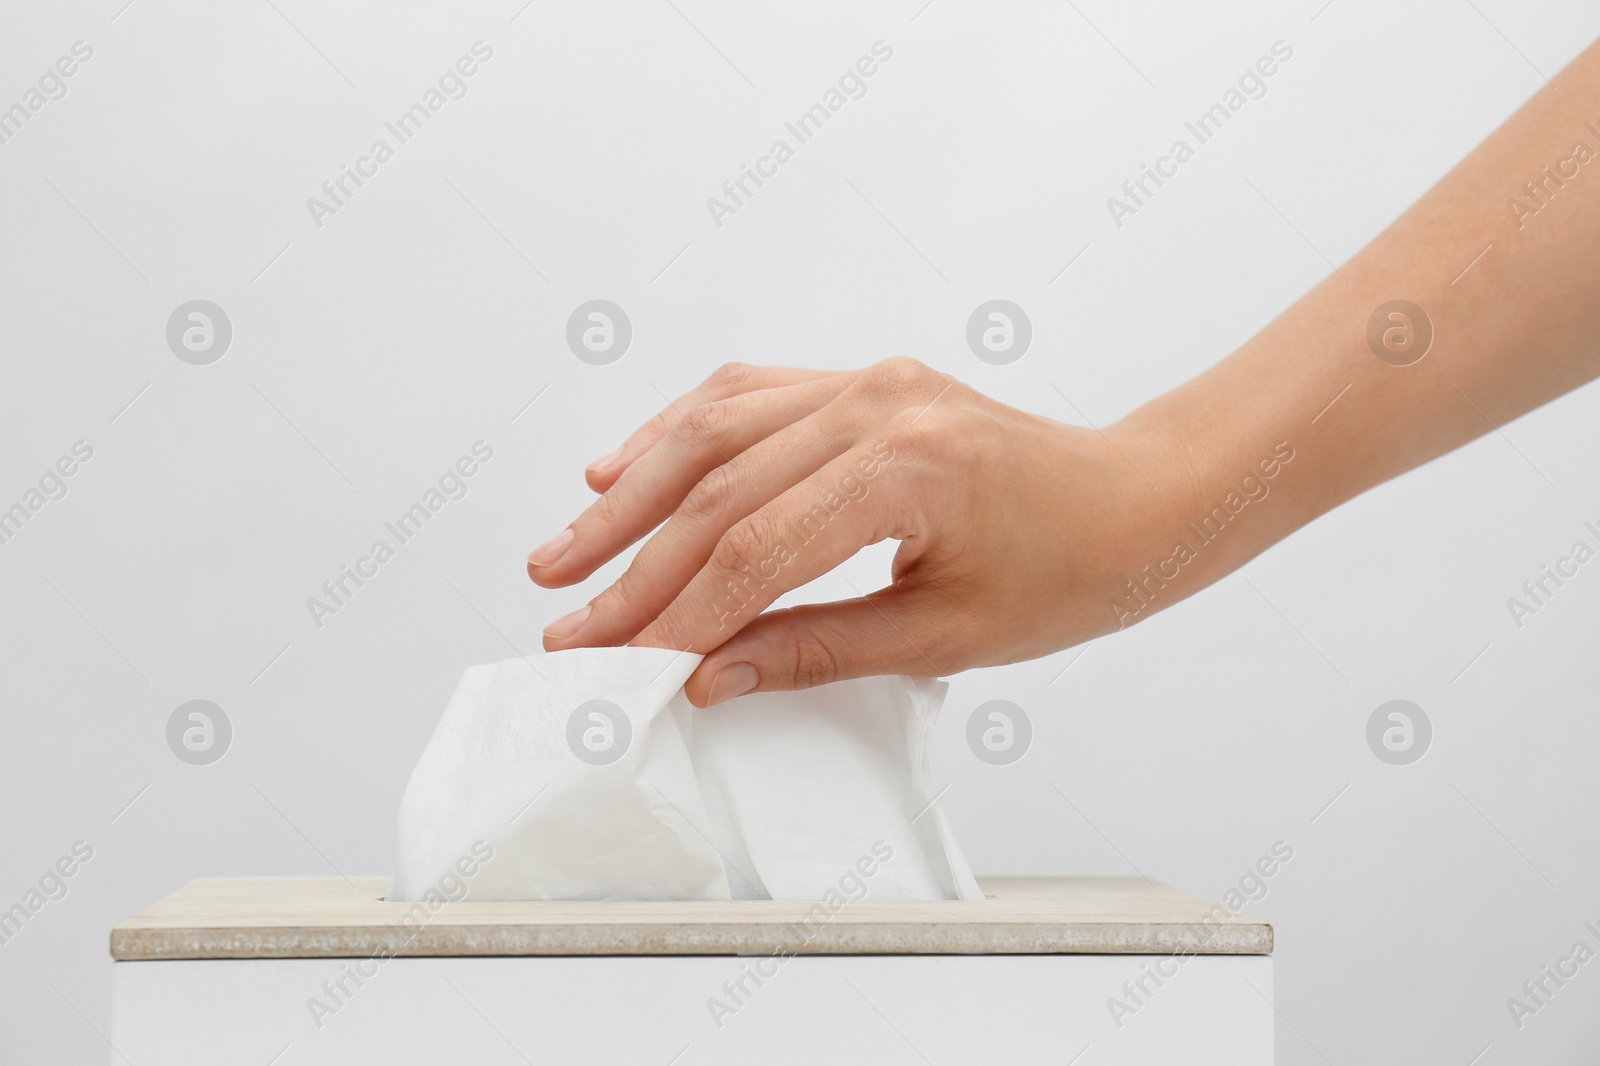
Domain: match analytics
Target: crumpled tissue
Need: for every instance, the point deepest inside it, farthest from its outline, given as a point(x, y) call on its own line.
point(587, 774)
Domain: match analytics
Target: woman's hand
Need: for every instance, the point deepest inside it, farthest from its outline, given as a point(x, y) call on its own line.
point(1016, 532)
point(1020, 536)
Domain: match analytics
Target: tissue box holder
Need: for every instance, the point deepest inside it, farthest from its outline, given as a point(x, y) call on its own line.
point(305, 971)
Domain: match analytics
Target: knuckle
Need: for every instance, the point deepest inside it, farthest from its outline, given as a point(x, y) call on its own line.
point(815, 663)
point(712, 495)
point(731, 376)
point(898, 376)
point(660, 425)
point(903, 364)
point(601, 513)
point(668, 632)
point(621, 594)
point(744, 545)
point(704, 425)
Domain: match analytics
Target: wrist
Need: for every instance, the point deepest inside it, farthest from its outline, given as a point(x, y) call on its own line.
point(1225, 492)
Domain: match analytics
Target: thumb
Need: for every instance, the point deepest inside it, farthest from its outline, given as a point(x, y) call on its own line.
point(890, 632)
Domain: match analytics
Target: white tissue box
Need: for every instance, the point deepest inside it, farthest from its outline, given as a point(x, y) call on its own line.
point(303, 971)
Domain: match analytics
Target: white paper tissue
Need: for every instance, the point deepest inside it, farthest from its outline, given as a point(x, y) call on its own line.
point(589, 775)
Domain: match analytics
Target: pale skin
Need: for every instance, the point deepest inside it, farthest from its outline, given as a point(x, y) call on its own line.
point(1020, 536)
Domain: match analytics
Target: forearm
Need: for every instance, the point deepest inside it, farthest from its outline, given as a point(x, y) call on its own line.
point(1517, 329)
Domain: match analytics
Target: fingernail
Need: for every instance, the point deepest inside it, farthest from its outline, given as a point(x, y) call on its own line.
point(551, 551)
point(568, 624)
point(733, 681)
point(604, 463)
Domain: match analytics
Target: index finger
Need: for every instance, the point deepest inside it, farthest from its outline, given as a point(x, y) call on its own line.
point(799, 536)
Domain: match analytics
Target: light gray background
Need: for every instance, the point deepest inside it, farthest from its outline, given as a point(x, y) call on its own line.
point(374, 351)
